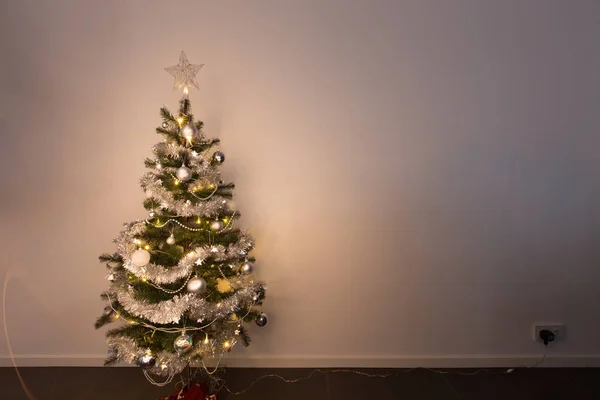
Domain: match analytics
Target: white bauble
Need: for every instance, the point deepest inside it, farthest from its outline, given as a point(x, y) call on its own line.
point(196, 285)
point(171, 240)
point(216, 225)
point(231, 205)
point(184, 174)
point(140, 257)
point(189, 131)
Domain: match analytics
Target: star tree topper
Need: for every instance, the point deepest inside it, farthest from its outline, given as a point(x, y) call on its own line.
point(184, 73)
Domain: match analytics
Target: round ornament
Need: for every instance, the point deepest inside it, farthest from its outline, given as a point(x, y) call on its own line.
point(164, 124)
point(216, 225)
point(218, 157)
point(171, 239)
point(196, 285)
point(151, 214)
point(147, 360)
point(183, 343)
point(184, 173)
point(140, 257)
point(246, 268)
point(261, 320)
point(189, 131)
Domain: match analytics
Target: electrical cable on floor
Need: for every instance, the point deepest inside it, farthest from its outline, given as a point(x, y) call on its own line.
point(384, 375)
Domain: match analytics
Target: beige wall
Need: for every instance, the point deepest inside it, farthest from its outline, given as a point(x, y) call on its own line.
point(422, 177)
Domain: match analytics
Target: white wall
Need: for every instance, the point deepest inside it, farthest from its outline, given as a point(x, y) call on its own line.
point(422, 177)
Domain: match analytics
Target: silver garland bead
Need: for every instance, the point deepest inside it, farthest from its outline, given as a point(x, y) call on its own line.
point(140, 257)
point(184, 173)
point(216, 225)
point(196, 285)
point(246, 268)
point(218, 157)
point(261, 320)
point(147, 360)
point(183, 343)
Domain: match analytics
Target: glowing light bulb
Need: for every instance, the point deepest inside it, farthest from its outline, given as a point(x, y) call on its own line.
point(185, 90)
point(180, 120)
point(198, 221)
point(176, 182)
point(206, 339)
point(147, 247)
point(227, 344)
point(158, 165)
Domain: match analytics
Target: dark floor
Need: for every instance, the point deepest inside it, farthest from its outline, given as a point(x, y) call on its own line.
point(130, 384)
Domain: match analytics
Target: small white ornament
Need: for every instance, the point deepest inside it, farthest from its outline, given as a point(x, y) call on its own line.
point(140, 258)
point(231, 205)
point(184, 173)
point(110, 277)
point(171, 239)
point(189, 131)
point(196, 285)
point(216, 225)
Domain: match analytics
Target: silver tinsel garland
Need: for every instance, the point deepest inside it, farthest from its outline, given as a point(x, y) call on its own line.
point(172, 311)
point(163, 275)
point(172, 363)
point(185, 208)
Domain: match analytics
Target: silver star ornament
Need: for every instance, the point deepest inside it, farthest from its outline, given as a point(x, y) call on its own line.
point(184, 73)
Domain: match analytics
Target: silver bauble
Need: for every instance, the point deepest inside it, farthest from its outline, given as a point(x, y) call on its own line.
point(171, 240)
point(140, 257)
point(189, 131)
point(196, 285)
point(183, 343)
point(184, 173)
point(218, 157)
point(246, 268)
point(216, 225)
point(261, 320)
point(147, 360)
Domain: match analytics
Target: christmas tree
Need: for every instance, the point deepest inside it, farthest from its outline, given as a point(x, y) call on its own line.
point(180, 280)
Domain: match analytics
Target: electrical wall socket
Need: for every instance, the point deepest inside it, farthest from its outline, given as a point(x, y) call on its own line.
point(558, 329)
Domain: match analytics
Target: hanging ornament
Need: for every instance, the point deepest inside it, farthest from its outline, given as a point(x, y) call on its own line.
point(216, 225)
point(184, 173)
point(218, 157)
point(140, 257)
point(189, 132)
point(171, 239)
point(147, 360)
point(261, 320)
point(183, 343)
point(246, 268)
point(223, 286)
point(196, 285)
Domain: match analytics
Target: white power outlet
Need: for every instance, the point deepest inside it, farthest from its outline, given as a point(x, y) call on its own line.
point(559, 331)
